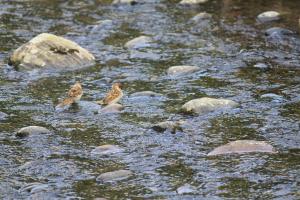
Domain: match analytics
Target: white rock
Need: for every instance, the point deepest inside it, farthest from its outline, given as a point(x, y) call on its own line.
point(191, 2)
point(181, 70)
point(268, 16)
point(243, 146)
point(206, 104)
point(106, 150)
point(114, 176)
point(51, 51)
point(25, 131)
point(139, 42)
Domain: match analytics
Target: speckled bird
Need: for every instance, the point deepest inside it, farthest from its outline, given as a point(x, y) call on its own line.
point(74, 95)
point(113, 96)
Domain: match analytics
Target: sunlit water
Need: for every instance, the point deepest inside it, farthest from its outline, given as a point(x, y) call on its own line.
point(59, 165)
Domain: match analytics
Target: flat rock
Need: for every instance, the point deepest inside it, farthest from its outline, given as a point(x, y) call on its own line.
point(114, 176)
point(268, 16)
point(30, 130)
point(192, 2)
point(145, 93)
point(51, 51)
point(243, 146)
point(206, 104)
point(139, 42)
point(106, 150)
point(186, 189)
point(112, 108)
point(3, 116)
point(181, 70)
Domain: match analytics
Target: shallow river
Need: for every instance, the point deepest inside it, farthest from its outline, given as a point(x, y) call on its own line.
point(227, 47)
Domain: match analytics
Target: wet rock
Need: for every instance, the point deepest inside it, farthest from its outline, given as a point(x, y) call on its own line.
point(168, 125)
point(268, 16)
point(181, 70)
point(192, 2)
point(206, 104)
point(144, 55)
point(50, 51)
point(35, 187)
point(201, 16)
point(145, 93)
point(243, 146)
point(274, 97)
point(114, 176)
point(186, 189)
point(32, 130)
point(3, 116)
point(261, 66)
point(106, 150)
point(130, 2)
point(112, 108)
point(139, 42)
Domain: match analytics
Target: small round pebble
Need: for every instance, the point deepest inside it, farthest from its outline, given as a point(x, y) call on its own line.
point(268, 16)
point(114, 176)
point(30, 130)
point(106, 150)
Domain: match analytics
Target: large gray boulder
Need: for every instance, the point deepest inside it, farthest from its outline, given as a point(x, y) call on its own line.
point(243, 146)
point(206, 104)
point(51, 51)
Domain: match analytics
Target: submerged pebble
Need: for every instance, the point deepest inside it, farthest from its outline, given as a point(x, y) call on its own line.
point(168, 125)
point(181, 70)
point(192, 2)
point(268, 16)
point(243, 146)
point(145, 93)
point(32, 130)
point(114, 176)
point(112, 108)
point(186, 189)
point(261, 66)
point(201, 16)
point(139, 42)
point(106, 150)
point(130, 2)
point(206, 104)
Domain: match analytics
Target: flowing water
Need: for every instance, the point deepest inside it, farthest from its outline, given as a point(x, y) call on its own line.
point(226, 48)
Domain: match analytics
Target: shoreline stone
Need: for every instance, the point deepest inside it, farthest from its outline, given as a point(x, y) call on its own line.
point(51, 51)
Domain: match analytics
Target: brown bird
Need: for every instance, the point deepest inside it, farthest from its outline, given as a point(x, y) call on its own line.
point(74, 95)
point(113, 96)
